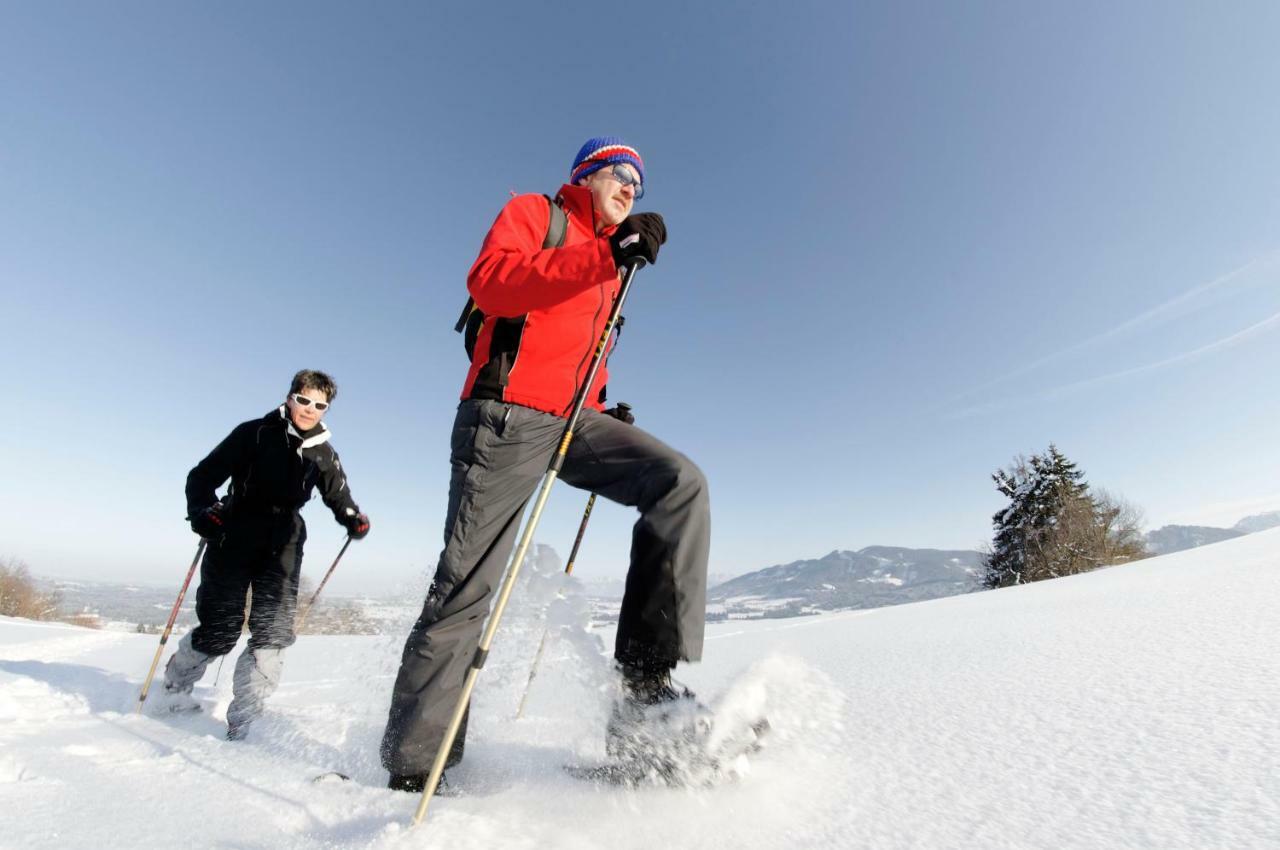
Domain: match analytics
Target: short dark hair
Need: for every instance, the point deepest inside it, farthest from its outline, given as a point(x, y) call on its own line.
point(311, 379)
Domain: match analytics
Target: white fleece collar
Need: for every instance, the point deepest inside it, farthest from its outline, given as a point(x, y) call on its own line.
point(313, 440)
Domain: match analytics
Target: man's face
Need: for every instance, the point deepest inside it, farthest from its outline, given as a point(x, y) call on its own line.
point(612, 200)
point(304, 415)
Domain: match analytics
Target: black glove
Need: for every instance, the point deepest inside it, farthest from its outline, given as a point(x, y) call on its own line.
point(622, 413)
point(210, 522)
point(639, 236)
point(357, 524)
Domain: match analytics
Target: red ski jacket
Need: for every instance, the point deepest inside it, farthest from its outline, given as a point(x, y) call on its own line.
point(545, 308)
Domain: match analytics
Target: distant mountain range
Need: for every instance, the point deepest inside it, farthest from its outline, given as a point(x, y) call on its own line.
point(869, 578)
point(891, 575)
point(1175, 538)
point(1258, 522)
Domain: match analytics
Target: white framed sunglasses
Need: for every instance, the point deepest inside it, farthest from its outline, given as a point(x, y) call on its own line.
point(302, 401)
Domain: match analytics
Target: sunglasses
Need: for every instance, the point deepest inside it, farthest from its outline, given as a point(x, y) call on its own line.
point(302, 401)
point(620, 173)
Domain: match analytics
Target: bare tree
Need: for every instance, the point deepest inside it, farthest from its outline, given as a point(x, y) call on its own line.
point(20, 596)
point(85, 619)
point(1120, 524)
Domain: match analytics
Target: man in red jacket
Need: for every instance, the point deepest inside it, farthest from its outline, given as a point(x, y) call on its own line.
point(545, 309)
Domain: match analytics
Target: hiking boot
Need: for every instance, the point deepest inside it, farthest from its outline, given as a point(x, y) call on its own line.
point(652, 714)
point(643, 687)
point(416, 783)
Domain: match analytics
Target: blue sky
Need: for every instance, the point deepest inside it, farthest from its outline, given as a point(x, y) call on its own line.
point(908, 241)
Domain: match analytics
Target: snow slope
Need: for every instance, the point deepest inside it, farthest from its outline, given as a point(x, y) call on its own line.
point(1131, 707)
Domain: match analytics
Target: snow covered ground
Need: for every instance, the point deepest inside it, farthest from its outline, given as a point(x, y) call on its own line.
point(1132, 707)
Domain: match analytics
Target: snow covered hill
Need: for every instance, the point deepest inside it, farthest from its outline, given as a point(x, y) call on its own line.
point(1130, 707)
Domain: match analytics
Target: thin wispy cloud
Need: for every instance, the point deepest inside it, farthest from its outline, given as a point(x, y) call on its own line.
point(1175, 308)
point(1265, 326)
point(1188, 302)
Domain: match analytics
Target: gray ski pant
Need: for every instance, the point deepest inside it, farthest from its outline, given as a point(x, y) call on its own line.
point(259, 552)
point(500, 453)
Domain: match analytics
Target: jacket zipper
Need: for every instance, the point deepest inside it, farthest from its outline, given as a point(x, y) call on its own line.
point(590, 349)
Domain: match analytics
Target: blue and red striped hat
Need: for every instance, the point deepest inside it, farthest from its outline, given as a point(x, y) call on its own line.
point(602, 151)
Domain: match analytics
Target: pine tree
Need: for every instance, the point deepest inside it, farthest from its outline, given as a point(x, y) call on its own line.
point(1062, 544)
point(1014, 525)
point(1062, 477)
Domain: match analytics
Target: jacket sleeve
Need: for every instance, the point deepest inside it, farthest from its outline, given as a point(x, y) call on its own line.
point(333, 488)
point(211, 473)
point(514, 274)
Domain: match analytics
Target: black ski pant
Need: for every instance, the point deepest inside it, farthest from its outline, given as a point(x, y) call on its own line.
point(258, 551)
point(500, 453)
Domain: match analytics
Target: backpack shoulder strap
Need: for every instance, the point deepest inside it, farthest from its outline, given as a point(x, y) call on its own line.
point(557, 224)
point(466, 314)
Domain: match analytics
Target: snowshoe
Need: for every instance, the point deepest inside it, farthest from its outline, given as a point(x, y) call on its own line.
point(331, 776)
point(175, 701)
point(650, 718)
point(660, 734)
point(702, 755)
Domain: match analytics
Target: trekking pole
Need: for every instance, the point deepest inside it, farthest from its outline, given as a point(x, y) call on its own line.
point(568, 570)
point(173, 616)
point(302, 615)
point(582, 530)
point(526, 537)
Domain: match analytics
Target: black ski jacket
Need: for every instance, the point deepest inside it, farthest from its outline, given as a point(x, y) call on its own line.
point(273, 470)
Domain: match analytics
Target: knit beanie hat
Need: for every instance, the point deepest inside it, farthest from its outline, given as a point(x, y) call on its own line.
point(602, 151)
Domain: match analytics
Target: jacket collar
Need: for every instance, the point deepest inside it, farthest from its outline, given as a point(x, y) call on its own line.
point(576, 201)
point(316, 436)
